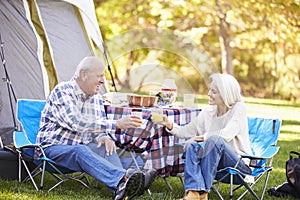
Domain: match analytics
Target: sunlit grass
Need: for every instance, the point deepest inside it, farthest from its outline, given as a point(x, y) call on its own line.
point(288, 137)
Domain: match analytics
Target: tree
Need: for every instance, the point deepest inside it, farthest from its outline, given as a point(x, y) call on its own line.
point(258, 42)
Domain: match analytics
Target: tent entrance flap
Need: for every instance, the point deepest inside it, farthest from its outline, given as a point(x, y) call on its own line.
point(44, 41)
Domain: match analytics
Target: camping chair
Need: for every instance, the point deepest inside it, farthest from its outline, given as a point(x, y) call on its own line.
point(263, 138)
point(28, 115)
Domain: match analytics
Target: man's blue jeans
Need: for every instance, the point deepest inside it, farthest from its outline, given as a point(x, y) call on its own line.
point(201, 164)
point(90, 159)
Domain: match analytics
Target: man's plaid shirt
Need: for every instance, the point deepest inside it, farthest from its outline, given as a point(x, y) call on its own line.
point(71, 118)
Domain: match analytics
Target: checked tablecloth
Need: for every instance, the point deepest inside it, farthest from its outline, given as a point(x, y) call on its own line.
point(157, 146)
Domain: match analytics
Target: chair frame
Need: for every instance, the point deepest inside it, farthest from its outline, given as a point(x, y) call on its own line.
point(133, 155)
point(237, 178)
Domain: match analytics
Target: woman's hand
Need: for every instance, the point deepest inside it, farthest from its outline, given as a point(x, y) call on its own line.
point(165, 122)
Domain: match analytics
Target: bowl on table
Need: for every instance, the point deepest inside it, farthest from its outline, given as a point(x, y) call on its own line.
point(135, 100)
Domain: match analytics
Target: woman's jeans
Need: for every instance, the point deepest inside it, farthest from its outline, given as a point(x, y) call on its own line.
point(89, 159)
point(201, 164)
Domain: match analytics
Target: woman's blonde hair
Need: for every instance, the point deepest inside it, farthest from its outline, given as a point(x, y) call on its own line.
point(228, 87)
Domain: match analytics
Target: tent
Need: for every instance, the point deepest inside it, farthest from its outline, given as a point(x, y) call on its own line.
point(42, 43)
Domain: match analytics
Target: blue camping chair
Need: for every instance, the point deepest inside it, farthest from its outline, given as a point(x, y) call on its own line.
point(28, 115)
point(263, 138)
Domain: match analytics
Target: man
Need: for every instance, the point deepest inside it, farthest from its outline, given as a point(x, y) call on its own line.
point(74, 129)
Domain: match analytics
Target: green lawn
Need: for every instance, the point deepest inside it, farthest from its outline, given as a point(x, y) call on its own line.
point(289, 139)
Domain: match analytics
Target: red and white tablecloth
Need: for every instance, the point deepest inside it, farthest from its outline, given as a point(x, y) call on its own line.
point(157, 146)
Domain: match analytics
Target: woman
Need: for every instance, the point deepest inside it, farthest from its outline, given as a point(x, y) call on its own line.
point(223, 127)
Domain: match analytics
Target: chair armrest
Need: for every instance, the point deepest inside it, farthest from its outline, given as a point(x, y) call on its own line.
point(268, 153)
point(34, 146)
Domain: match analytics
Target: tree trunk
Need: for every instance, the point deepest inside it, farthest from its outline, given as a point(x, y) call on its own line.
point(225, 39)
point(275, 71)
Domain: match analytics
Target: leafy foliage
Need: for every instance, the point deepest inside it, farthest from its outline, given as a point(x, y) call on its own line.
point(257, 41)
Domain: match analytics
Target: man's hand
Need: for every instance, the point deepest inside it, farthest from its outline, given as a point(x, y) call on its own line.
point(110, 145)
point(129, 122)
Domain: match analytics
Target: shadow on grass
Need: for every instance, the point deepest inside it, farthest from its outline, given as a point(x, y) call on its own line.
point(291, 122)
point(296, 133)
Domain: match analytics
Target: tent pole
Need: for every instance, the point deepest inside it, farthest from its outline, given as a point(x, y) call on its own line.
point(108, 66)
point(8, 83)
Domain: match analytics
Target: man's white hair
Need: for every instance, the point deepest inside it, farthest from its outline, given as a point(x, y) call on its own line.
point(87, 63)
point(228, 87)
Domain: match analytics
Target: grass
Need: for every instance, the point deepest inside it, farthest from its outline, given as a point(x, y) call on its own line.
point(289, 139)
